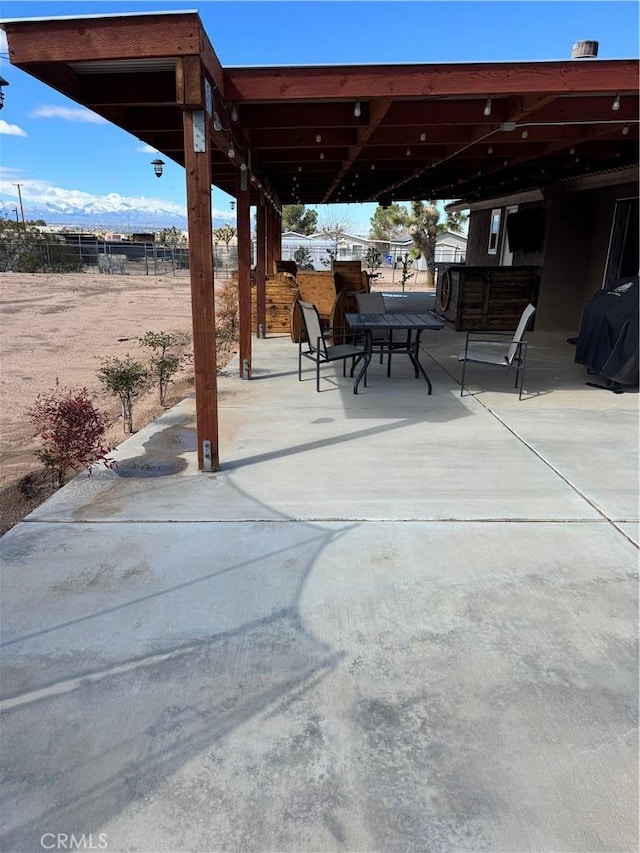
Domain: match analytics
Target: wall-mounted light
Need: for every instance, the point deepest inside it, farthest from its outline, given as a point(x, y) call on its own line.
point(487, 108)
point(157, 166)
point(615, 106)
point(3, 82)
point(232, 205)
point(357, 111)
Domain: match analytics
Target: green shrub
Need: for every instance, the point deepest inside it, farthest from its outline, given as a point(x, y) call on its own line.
point(164, 364)
point(124, 378)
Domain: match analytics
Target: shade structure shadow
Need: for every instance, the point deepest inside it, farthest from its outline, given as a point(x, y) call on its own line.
point(142, 660)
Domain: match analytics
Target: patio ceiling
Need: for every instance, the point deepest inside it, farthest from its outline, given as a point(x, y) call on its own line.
point(423, 131)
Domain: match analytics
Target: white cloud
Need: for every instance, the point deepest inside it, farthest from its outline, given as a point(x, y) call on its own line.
point(65, 200)
point(223, 214)
point(7, 173)
point(4, 47)
point(10, 129)
point(145, 149)
point(78, 114)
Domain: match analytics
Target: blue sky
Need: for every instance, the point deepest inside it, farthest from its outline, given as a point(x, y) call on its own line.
point(58, 152)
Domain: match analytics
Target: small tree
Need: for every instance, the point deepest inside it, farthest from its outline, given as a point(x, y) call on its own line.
point(224, 235)
point(373, 260)
point(335, 229)
point(71, 430)
point(171, 237)
point(124, 378)
point(303, 257)
point(164, 364)
point(227, 309)
point(329, 258)
point(405, 265)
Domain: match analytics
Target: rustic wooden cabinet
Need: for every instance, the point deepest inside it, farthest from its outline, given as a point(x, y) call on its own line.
point(490, 298)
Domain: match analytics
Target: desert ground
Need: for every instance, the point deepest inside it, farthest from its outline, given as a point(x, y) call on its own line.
point(57, 329)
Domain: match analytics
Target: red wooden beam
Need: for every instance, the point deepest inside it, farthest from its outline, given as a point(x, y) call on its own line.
point(93, 39)
point(430, 81)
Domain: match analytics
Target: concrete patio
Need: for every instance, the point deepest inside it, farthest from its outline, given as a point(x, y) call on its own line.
point(390, 622)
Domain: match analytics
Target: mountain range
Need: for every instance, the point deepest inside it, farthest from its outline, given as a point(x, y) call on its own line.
point(64, 214)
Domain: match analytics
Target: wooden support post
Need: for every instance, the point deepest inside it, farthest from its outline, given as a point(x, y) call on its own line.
point(244, 277)
point(261, 265)
point(198, 175)
point(271, 250)
point(268, 254)
point(276, 232)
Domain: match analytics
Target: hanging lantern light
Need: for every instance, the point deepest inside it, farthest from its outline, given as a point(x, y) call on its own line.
point(157, 166)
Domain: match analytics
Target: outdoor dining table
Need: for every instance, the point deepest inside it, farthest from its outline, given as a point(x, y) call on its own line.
point(410, 323)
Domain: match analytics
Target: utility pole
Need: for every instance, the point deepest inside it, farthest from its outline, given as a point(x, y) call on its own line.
point(20, 200)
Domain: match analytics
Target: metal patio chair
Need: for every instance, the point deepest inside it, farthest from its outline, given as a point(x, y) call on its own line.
point(319, 349)
point(499, 352)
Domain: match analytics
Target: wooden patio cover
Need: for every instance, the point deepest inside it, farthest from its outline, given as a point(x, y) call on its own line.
point(325, 134)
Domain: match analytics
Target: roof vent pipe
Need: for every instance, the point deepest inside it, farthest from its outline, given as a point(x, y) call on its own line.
point(584, 50)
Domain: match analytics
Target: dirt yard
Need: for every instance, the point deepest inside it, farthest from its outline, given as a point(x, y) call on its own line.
point(58, 329)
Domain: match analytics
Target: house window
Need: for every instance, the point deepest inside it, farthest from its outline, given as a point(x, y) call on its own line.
point(494, 231)
point(622, 261)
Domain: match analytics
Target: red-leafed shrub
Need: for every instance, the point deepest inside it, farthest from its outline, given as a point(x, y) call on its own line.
point(71, 430)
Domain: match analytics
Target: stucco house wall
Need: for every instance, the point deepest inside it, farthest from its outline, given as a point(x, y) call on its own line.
point(573, 256)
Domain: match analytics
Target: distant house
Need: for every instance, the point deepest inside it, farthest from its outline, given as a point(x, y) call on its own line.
point(450, 248)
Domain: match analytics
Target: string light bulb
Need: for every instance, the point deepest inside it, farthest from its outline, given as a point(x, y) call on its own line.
point(357, 110)
point(615, 106)
point(487, 107)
